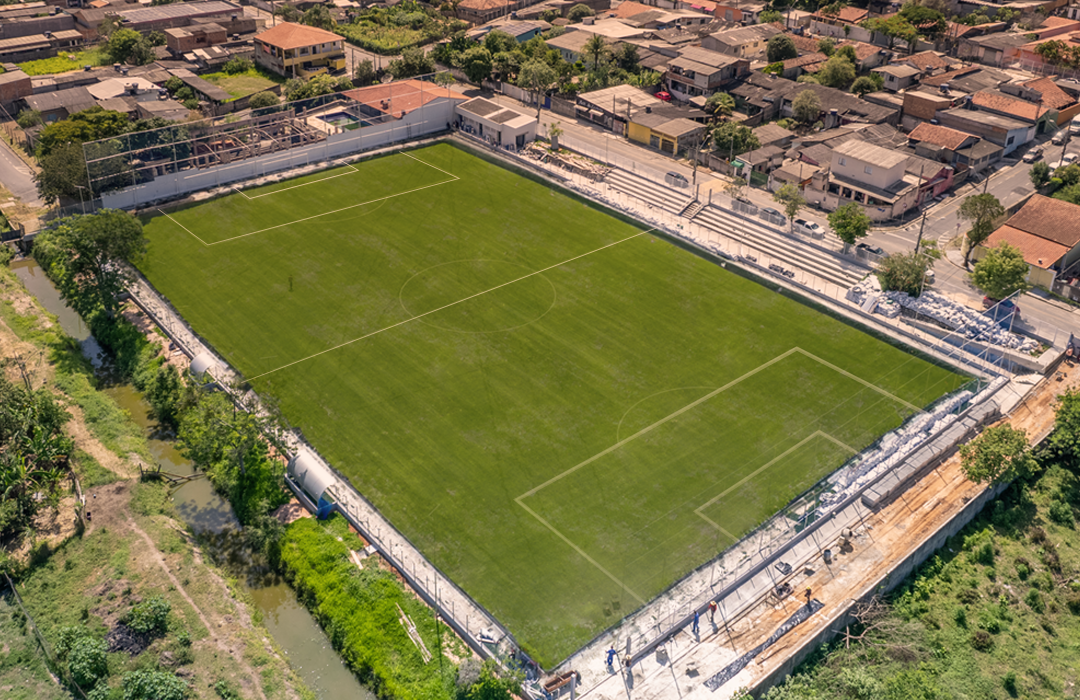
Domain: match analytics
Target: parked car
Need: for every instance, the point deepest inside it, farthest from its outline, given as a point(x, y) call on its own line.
point(674, 178)
point(808, 227)
point(1033, 155)
point(1001, 310)
point(1060, 137)
point(929, 278)
point(769, 212)
point(876, 250)
point(1069, 159)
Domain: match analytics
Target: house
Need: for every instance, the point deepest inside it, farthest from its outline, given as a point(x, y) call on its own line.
point(414, 102)
point(293, 50)
point(61, 104)
point(765, 98)
point(1006, 132)
point(700, 72)
point(652, 18)
point(807, 63)
point(36, 46)
point(483, 11)
point(661, 130)
point(773, 135)
point(1011, 106)
point(519, 29)
point(928, 62)
point(737, 12)
point(14, 85)
point(611, 107)
point(872, 176)
point(1055, 26)
point(569, 44)
point(950, 146)
point(838, 23)
point(181, 40)
point(170, 110)
point(1062, 104)
point(744, 42)
point(993, 49)
point(1045, 231)
point(897, 77)
point(178, 14)
point(498, 125)
point(611, 29)
point(760, 160)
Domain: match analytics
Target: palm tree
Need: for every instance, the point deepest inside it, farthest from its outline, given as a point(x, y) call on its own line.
point(595, 48)
point(720, 103)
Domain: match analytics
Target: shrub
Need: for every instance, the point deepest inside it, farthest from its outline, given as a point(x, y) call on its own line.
point(184, 93)
point(1034, 600)
point(1023, 568)
point(263, 99)
point(1009, 683)
point(1061, 513)
point(985, 554)
point(981, 640)
point(237, 65)
point(968, 596)
point(191, 104)
point(1072, 599)
point(153, 685)
point(1037, 535)
point(960, 616)
point(150, 616)
point(988, 622)
point(28, 118)
point(87, 661)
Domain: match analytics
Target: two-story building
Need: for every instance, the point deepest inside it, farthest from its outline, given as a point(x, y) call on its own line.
point(744, 42)
point(872, 176)
point(700, 72)
point(1006, 132)
point(294, 50)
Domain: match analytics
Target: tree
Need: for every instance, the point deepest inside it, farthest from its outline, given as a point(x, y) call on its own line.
point(1065, 440)
point(87, 661)
point(1040, 174)
point(288, 13)
point(364, 73)
point(850, 223)
point(322, 84)
point(539, 77)
point(1001, 272)
point(734, 138)
point(837, 72)
point(626, 57)
point(926, 20)
point(791, 198)
point(780, 48)
point(489, 686)
point(579, 12)
point(319, 16)
point(88, 125)
point(848, 52)
point(982, 210)
point(720, 104)
point(863, 84)
point(826, 45)
point(770, 16)
point(88, 258)
point(153, 685)
point(476, 63)
point(237, 65)
point(129, 46)
point(412, 62)
point(904, 272)
point(595, 49)
point(62, 173)
point(893, 28)
point(999, 455)
point(156, 38)
point(806, 106)
point(497, 41)
point(28, 118)
point(261, 100)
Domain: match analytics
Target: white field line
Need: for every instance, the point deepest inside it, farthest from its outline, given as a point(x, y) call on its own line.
point(183, 227)
point(240, 191)
point(453, 303)
point(430, 165)
point(860, 380)
point(313, 182)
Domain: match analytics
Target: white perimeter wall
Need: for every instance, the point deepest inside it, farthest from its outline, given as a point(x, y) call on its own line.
point(432, 118)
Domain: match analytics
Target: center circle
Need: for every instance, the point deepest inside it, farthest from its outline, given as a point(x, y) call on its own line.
point(477, 296)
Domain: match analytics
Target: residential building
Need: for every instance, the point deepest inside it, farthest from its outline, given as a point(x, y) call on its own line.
point(483, 11)
point(179, 14)
point(1062, 104)
point(498, 125)
point(299, 50)
point(897, 77)
point(664, 132)
point(612, 29)
point(700, 72)
point(872, 176)
point(14, 85)
point(765, 98)
point(837, 24)
point(181, 40)
point(1006, 132)
point(940, 143)
point(1045, 231)
point(570, 44)
point(61, 104)
point(36, 46)
point(1011, 106)
point(744, 42)
point(993, 49)
point(735, 12)
point(928, 62)
point(773, 135)
point(416, 102)
point(519, 29)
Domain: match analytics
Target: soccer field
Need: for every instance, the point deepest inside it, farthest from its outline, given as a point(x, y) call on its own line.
point(564, 412)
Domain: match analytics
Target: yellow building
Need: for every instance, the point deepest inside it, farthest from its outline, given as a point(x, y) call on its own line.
point(663, 132)
point(296, 50)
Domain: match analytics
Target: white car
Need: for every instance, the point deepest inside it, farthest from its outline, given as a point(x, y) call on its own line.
point(808, 227)
point(1069, 159)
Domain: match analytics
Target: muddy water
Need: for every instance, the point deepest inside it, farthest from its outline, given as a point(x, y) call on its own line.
point(292, 626)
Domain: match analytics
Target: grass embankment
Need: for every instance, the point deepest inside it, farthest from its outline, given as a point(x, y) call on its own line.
point(479, 365)
point(133, 551)
point(66, 62)
point(995, 615)
point(359, 609)
point(241, 84)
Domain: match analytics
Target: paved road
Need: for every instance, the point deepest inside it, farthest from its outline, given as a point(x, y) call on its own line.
point(17, 176)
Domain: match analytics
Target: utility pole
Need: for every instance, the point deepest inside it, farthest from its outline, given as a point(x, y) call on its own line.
point(922, 223)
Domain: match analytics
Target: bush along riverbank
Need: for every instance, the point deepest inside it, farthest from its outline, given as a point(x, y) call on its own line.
point(996, 614)
point(126, 607)
point(383, 632)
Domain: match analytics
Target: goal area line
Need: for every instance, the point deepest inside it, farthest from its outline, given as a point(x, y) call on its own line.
point(520, 500)
point(453, 178)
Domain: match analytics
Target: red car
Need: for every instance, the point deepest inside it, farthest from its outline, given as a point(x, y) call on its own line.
point(665, 96)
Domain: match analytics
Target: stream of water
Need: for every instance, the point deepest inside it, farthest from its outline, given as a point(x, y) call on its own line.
point(292, 626)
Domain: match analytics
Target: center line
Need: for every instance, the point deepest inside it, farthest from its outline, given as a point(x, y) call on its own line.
point(453, 303)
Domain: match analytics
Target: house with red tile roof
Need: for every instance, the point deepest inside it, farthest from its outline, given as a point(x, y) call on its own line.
point(294, 50)
point(1046, 233)
point(399, 99)
point(1009, 106)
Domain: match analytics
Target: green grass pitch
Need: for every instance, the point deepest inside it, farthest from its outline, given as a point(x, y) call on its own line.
point(564, 413)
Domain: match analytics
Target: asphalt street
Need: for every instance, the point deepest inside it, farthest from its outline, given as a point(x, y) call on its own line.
point(17, 176)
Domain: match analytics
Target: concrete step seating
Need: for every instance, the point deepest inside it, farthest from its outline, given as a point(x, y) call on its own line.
point(805, 257)
point(692, 209)
point(638, 187)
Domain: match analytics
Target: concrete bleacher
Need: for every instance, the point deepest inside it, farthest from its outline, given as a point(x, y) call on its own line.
point(804, 256)
point(659, 196)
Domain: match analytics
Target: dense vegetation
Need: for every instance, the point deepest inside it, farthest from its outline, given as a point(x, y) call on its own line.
point(389, 30)
point(996, 614)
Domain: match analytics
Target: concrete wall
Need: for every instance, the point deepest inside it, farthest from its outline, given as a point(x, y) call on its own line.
point(433, 118)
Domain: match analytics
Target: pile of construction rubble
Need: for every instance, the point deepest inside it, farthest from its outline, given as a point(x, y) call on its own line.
point(968, 322)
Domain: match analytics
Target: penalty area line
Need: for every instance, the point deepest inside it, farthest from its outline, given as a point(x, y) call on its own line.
point(447, 306)
point(184, 227)
point(305, 184)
